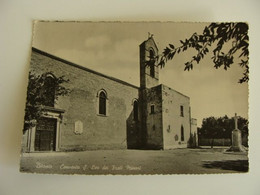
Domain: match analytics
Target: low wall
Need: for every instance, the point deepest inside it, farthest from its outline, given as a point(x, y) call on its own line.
point(220, 142)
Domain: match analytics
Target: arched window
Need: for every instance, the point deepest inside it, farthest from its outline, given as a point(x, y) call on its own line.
point(152, 59)
point(102, 103)
point(136, 110)
point(48, 90)
point(182, 133)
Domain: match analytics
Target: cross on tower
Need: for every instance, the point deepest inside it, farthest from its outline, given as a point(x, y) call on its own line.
point(236, 118)
point(150, 35)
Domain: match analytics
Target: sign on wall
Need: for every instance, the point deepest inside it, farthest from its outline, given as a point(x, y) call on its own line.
point(78, 127)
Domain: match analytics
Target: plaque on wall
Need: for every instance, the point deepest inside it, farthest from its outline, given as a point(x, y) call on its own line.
point(78, 127)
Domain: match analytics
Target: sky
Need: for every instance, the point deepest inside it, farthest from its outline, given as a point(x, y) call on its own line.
point(112, 48)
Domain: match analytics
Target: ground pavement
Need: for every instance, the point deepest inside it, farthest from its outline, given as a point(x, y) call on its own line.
point(177, 161)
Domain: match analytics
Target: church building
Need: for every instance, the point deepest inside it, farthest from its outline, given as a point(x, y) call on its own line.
point(102, 112)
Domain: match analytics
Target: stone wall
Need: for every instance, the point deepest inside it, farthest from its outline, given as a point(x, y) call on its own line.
point(221, 141)
point(134, 132)
point(154, 137)
point(172, 119)
point(216, 142)
point(25, 142)
point(99, 132)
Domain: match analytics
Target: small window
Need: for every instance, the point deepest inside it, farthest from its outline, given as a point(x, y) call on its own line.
point(102, 103)
point(181, 110)
point(152, 109)
point(182, 133)
point(169, 129)
point(136, 110)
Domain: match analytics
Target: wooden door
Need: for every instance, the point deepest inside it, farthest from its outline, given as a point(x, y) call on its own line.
point(45, 137)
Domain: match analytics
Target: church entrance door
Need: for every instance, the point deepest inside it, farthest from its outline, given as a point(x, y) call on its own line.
point(45, 136)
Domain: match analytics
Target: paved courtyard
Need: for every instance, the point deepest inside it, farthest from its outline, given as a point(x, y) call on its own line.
point(178, 161)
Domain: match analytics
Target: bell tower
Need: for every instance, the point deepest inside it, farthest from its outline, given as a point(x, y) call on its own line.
point(149, 77)
point(149, 74)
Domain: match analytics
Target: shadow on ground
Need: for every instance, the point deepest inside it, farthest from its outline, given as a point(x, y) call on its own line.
point(235, 165)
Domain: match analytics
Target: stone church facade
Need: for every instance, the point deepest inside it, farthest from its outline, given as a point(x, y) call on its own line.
point(102, 112)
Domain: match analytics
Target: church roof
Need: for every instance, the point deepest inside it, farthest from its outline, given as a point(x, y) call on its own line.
point(95, 72)
point(162, 85)
point(176, 91)
point(82, 67)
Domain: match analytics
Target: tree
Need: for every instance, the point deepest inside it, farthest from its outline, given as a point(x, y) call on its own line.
point(221, 127)
point(210, 128)
point(219, 34)
point(43, 90)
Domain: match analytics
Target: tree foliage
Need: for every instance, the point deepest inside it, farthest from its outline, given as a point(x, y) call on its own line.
point(39, 90)
point(221, 127)
point(219, 34)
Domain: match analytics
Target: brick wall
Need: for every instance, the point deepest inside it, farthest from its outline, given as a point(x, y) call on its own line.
point(99, 132)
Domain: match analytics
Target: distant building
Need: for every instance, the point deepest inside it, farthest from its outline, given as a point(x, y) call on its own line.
point(194, 139)
point(103, 112)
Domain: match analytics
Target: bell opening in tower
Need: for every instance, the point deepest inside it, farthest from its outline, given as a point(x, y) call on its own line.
point(152, 59)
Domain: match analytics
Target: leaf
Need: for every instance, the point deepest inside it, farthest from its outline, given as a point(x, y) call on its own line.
point(172, 46)
point(188, 66)
point(219, 34)
point(166, 51)
point(171, 55)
